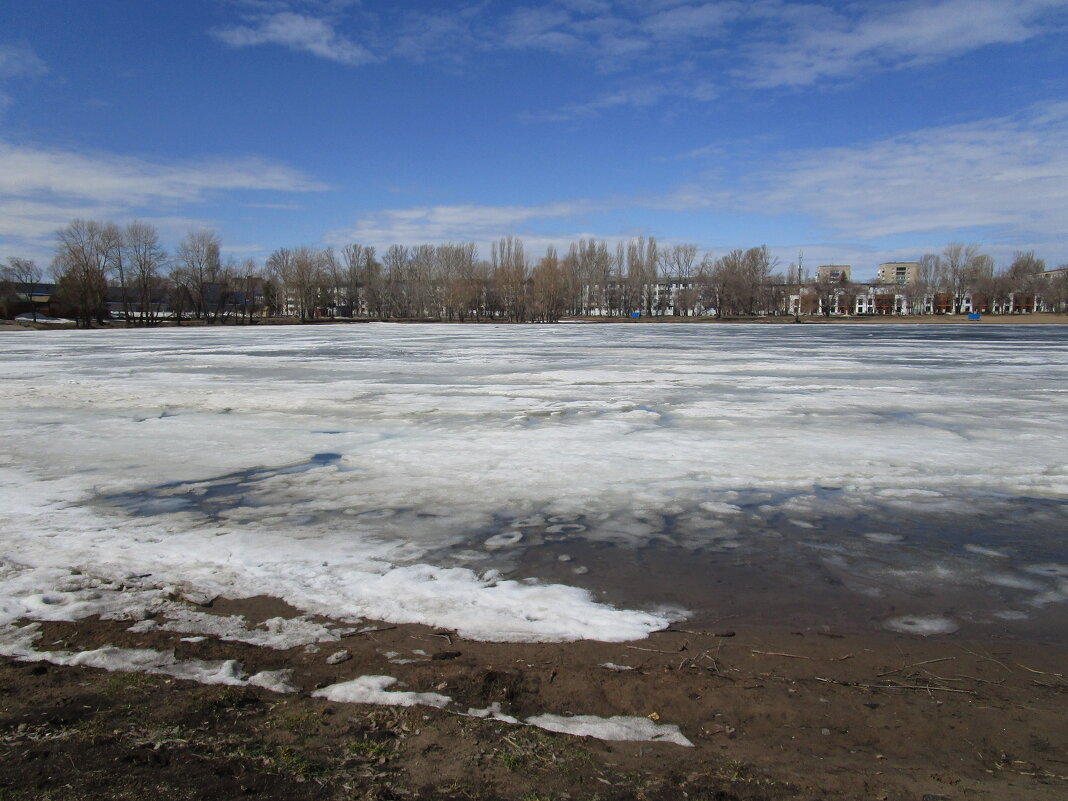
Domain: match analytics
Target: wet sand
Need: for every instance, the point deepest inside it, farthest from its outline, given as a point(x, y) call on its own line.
point(773, 712)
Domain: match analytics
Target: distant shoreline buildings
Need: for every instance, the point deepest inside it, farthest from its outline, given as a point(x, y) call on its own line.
point(104, 272)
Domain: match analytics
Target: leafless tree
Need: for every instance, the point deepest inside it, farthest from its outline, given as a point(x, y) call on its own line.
point(510, 276)
point(306, 280)
point(395, 264)
point(460, 276)
point(145, 259)
point(1055, 290)
point(198, 254)
point(249, 285)
point(962, 267)
point(279, 270)
point(22, 275)
point(84, 256)
point(677, 265)
point(547, 288)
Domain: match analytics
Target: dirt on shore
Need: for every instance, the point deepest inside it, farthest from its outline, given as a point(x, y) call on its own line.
point(771, 713)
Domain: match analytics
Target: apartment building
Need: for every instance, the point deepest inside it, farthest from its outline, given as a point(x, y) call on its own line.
point(898, 273)
point(833, 273)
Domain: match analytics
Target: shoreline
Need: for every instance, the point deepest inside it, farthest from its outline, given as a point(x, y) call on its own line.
point(1035, 318)
point(771, 712)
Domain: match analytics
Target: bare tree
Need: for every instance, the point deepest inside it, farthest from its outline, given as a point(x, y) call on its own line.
point(354, 284)
point(962, 267)
point(1055, 290)
point(547, 288)
point(145, 258)
point(280, 271)
point(828, 290)
point(461, 287)
point(249, 284)
point(1022, 276)
point(510, 276)
point(395, 264)
point(677, 265)
point(198, 253)
point(306, 280)
point(23, 275)
point(84, 255)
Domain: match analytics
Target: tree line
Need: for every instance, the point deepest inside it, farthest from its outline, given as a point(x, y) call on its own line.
point(101, 269)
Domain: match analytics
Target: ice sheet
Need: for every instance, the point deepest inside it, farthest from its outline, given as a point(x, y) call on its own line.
point(400, 473)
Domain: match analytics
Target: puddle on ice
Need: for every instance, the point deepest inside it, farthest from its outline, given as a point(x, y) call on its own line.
point(819, 556)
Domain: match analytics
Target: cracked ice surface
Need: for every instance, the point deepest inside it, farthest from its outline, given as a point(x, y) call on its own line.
point(390, 472)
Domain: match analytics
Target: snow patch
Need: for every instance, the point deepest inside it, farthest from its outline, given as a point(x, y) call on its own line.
point(616, 728)
point(372, 690)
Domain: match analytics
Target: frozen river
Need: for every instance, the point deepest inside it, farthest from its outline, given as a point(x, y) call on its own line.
point(544, 482)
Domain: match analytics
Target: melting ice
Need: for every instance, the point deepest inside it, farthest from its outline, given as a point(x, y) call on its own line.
point(417, 474)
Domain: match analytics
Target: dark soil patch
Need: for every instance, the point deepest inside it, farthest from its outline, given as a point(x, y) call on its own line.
point(772, 714)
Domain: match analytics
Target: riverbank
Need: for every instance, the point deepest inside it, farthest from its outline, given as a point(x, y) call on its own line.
point(770, 714)
point(1042, 318)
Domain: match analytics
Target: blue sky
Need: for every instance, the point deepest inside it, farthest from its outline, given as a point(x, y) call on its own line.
point(854, 132)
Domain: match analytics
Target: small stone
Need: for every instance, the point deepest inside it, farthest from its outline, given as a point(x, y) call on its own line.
point(825, 732)
point(338, 657)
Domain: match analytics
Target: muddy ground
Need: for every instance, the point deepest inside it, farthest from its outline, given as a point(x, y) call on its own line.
point(772, 714)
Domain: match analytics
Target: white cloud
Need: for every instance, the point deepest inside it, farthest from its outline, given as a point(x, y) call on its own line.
point(28, 172)
point(19, 60)
point(638, 94)
point(458, 223)
point(300, 32)
point(818, 43)
point(41, 190)
point(689, 21)
point(1008, 175)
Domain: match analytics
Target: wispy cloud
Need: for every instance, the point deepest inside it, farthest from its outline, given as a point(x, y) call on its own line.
point(457, 223)
point(813, 43)
point(17, 61)
point(1007, 175)
point(42, 189)
point(638, 94)
point(20, 60)
point(34, 172)
point(762, 44)
point(299, 32)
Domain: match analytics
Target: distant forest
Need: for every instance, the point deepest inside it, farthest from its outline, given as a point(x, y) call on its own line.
point(102, 270)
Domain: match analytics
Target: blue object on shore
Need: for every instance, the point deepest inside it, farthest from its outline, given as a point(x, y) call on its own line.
point(974, 316)
point(635, 315)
